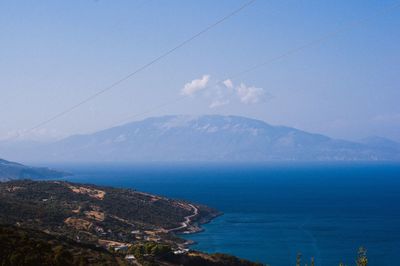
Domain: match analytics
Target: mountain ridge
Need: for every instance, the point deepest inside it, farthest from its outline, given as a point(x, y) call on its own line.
point(206, 138)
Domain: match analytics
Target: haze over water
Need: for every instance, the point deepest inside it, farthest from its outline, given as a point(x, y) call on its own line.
point(273, 211)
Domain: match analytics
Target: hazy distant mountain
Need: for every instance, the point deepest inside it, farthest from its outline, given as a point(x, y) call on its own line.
point(206, 138)
point(11, 170)
point(381, 143)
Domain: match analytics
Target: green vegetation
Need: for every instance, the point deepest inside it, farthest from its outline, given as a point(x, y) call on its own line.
point(90, 212)
point(150, 248)
point(31, 247)
point(361, 260)
point(151, 253)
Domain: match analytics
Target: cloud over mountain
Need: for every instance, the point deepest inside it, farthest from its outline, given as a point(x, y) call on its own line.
point(225, 92)
point(250, 95)
point(195, 85)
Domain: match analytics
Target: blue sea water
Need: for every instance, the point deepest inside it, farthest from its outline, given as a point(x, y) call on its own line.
point(273, 211)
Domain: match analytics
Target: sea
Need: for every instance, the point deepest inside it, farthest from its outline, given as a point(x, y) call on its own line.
point(274, 211)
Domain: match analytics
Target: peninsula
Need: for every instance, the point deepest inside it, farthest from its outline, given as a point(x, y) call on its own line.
point(121, 226)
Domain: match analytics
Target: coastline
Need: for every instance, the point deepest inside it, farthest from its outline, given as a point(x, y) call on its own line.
point(196, 228)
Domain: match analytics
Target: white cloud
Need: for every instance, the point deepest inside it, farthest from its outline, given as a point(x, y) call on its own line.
point(250, 95)
point(228, 83)
point(223, 93)
point(195, 85)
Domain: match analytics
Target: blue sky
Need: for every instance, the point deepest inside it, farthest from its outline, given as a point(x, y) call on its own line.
point(56, 53)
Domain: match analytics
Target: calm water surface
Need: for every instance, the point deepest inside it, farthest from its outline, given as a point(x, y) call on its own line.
point(271, 212)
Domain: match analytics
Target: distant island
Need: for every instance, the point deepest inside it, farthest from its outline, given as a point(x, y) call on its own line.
point(50, 222)
point(213, 138)
point(11, 170)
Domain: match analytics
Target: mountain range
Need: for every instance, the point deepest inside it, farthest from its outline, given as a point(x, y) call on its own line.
point(202, 138)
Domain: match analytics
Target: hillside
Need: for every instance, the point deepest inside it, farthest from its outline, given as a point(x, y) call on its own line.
point(204, 138)
point(27, 247)
point(45, 221)
point(12, 170)
point(102, 212)
point(21, 246)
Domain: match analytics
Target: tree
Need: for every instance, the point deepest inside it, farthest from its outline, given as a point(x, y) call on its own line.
point(362, 259)
point(62, 256)
point(160, 250)
point(298, 259)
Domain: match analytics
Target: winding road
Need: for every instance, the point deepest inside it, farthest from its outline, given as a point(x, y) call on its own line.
point(187, 220)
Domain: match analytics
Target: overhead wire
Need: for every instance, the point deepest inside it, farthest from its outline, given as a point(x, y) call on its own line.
point(288, 53)
point(141, 68)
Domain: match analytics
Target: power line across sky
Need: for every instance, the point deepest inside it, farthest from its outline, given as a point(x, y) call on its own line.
point(141, 68)
point(327, 36)
point(324, 38)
